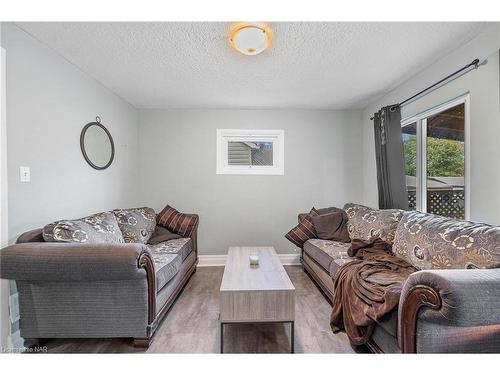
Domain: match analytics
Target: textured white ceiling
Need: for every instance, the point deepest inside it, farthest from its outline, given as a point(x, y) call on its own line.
point(308, 65)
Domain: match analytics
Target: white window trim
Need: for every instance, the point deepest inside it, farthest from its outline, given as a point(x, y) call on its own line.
point(256, 135)
point(420, 120)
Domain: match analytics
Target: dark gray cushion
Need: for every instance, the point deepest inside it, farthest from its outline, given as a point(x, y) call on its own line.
point(332, 226)
point(389, 323)
point(320, 211)
point(35, 235)
point(98, 228)
point(385, 341)
point(162, 234)
point(136, 224)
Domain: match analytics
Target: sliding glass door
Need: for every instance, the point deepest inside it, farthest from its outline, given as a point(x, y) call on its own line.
point(436, 159)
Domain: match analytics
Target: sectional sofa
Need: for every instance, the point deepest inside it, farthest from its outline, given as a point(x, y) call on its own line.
point(451, 304)
point(112, 274)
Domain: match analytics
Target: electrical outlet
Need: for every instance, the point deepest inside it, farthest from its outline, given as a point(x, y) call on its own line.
point(24, 174)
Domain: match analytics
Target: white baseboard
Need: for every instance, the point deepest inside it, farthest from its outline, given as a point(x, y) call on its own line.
point(211, 260)
point(220, 260)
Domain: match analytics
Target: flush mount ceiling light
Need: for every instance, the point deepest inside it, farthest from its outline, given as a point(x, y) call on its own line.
point(250, 38)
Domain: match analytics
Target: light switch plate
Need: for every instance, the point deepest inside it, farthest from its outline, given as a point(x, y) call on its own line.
point(24, 174)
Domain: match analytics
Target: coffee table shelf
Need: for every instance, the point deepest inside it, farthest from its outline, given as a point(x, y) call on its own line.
point(256, 294)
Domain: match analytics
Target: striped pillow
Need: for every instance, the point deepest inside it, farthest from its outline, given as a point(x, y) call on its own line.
point(177, 222)
point(304, 231)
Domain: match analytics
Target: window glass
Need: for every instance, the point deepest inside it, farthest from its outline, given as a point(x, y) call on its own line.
point(445, 163)
point(410, 153)
point(250, 153)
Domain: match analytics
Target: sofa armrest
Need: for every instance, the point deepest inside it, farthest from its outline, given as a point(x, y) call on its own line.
point(54, 261)
point(457, 310)
point(194, 235)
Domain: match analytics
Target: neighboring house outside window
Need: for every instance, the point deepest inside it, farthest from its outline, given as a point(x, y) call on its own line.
point(244, 151)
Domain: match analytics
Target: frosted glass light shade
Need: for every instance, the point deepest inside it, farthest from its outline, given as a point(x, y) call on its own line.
point(250, 40)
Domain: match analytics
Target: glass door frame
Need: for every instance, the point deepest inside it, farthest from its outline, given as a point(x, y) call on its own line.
point(421, 124)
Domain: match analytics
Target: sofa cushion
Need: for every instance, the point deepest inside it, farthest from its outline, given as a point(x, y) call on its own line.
point(181, 246)
point(166, 267)
point(328, 254)
point(389, 323)
point(98, 228)
point(177, 222)
point(304, 230)
point(428, 241)
point(332, 226)
point(367, 223)
point(136, 224)
point(162, 234)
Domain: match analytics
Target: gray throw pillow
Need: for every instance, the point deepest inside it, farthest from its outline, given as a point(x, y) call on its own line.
point(137, 224)
point(161, 235)
point(332, 226)
point(98, 228)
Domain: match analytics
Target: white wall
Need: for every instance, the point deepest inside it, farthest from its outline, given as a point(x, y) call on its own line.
point(178, 161)
point(48, 102)
point(483, 86)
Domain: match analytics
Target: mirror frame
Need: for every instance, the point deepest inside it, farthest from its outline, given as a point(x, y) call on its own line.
point(82, 145)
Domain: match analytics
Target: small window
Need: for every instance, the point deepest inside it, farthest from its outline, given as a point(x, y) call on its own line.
point(242, 151)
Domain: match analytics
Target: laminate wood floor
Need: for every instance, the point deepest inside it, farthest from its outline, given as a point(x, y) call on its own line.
point(192, 325)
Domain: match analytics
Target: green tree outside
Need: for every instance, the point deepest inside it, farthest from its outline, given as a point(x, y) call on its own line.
point(445, 157)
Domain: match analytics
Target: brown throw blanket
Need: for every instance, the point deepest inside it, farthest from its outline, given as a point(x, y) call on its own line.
point(367, 288)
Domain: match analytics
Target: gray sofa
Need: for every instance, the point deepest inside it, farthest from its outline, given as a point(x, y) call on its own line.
point(452, 304)
point(84, 290)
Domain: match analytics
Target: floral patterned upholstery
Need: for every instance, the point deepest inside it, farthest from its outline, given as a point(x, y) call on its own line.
point(168, 257)
point(136, 224)
point(182, 246)
point(98, 228)
point(429, 241)
point(330, 255)
point(367, 223)
point(166, 267)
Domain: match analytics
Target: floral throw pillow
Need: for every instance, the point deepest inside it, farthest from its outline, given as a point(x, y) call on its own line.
point(367, 223)
point(98, 228)
point(137, 224)
point(304, 230)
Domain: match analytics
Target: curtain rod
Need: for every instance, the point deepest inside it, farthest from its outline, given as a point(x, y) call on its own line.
point(474, 63)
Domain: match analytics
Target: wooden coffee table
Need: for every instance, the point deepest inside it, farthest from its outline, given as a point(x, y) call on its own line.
point(256, 294)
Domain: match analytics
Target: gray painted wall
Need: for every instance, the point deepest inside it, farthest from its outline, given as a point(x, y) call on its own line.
point(483, 86)
point(323, 167)
point(49, 101)
point(4, 284)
